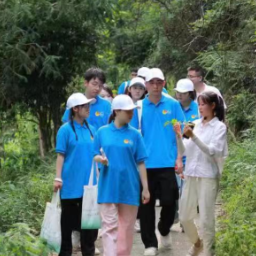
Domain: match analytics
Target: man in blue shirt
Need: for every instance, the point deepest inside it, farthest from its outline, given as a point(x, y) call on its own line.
point(158, 111)
point(123, 85)
point(100, 110)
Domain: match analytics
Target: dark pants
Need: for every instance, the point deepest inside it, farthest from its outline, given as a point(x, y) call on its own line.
point(164, 181)
point(71, 220)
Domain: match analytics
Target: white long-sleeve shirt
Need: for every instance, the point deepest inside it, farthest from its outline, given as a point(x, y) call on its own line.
point(207, 151)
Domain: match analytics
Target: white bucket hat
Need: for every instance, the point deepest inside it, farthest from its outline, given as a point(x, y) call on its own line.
point(77, 99)
point(155, 73)
point(137, 81)
point(184, 85)
point(123, 102)
point(143, 72)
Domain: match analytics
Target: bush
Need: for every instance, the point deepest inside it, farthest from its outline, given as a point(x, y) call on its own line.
point(21, 241)
point(238, 224)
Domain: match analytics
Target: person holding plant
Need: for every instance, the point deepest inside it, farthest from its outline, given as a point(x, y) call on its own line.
point(73, 166)
point(205, 151)
point(120, 148)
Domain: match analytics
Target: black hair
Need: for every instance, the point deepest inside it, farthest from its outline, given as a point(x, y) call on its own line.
point(72, 124)
point(209, 98)
point(108, 90)
point(192, 95)
point(135, 70)
point(127, 92)
point(112, 117)
point(93, 73)
point(197, 69)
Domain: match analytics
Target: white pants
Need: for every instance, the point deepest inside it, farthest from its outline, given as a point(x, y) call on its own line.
point(200, 192)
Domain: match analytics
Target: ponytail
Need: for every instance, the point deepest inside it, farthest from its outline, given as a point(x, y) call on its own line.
point(112, 117)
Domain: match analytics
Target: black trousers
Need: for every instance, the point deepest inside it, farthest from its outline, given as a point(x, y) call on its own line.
point(164, 181)
point(70, 221)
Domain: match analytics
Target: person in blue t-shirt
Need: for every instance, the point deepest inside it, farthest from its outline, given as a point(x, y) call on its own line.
point(120, 148)
point(158, 112)
point(73, 166)
point(101, 109)
point(123, 85)
point(137, 91)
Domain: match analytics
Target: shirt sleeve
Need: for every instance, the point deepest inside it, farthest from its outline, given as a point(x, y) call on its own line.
point(121, 88)
point(140, 151)
point(97, 144)
point(65, 117)
point(217, 146)
point(62, 140)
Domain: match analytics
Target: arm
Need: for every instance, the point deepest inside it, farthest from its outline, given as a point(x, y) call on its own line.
point(217, 144)
point(144, 182)
point(59, 164)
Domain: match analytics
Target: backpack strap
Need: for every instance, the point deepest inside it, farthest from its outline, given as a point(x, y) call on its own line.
point(140, 104)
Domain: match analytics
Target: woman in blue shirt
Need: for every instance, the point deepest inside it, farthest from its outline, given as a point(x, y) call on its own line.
point(120, 148)
point(137, 91)
point(73, 166)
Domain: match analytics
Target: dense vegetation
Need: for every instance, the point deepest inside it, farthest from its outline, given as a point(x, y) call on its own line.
point(46, 45)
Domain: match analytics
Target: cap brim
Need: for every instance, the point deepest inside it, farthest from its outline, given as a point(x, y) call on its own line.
point(138, 84)
point(155, 77)
point(90, 101)
point(181, 91)
point(128, 108)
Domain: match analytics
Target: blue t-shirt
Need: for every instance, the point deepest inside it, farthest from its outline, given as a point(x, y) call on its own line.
point(158, 133)
point(99, 113)
point(124, 148)
point(122, 87)
point(191, 113)
point(78, 156)
point(135, 119)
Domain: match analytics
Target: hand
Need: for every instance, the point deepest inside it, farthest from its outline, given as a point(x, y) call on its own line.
point(179, 165)
point(177, 129)
point(182, 176)
point(145, 196)
point(188, 131)
point(104, 160)
point(57, 185)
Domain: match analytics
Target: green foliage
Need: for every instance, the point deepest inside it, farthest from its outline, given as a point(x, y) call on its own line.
point(237, 225)
point(21, 241)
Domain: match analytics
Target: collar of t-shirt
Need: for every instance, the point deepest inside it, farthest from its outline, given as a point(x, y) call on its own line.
point(211, 123)
point(162, 100)
point(79, 126)
point(114, 128)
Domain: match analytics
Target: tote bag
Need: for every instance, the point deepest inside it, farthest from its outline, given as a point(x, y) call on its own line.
point(51, 230)
point(90, 208)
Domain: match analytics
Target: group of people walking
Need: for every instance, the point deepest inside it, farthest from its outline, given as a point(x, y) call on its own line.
point(148, 146)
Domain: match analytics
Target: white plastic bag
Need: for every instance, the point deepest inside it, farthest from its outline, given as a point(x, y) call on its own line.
point(51, 230)
point(90, 209)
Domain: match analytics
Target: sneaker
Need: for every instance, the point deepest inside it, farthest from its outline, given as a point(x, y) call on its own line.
point(137, 226)
point(151, 251)
point(97, 251)
point(195, 251)
point(157, 203)
point(165, 241)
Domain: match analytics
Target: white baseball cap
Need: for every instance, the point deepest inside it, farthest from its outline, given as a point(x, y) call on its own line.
point(123, 102)
point(155, 73)
point(143, 72)
point(184, 85)
point(77, 99)
point(138, 81)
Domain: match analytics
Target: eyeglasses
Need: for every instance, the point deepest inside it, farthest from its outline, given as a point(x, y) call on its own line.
point(86, 106)
point(190, 76)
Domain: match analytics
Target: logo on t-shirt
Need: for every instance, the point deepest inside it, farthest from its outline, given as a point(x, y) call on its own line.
point(194, 116)
point(98, 113)
point(126, 141)
point(92, 138)
point(165, 112)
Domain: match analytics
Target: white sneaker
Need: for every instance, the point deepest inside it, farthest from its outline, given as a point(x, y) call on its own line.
point(157, 203)
point(97, 251)
point(195, 251)
point(151, 251)
point(165, 241)
point(137, 226)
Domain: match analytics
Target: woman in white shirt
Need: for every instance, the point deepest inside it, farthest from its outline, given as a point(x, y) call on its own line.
point(205, 150)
